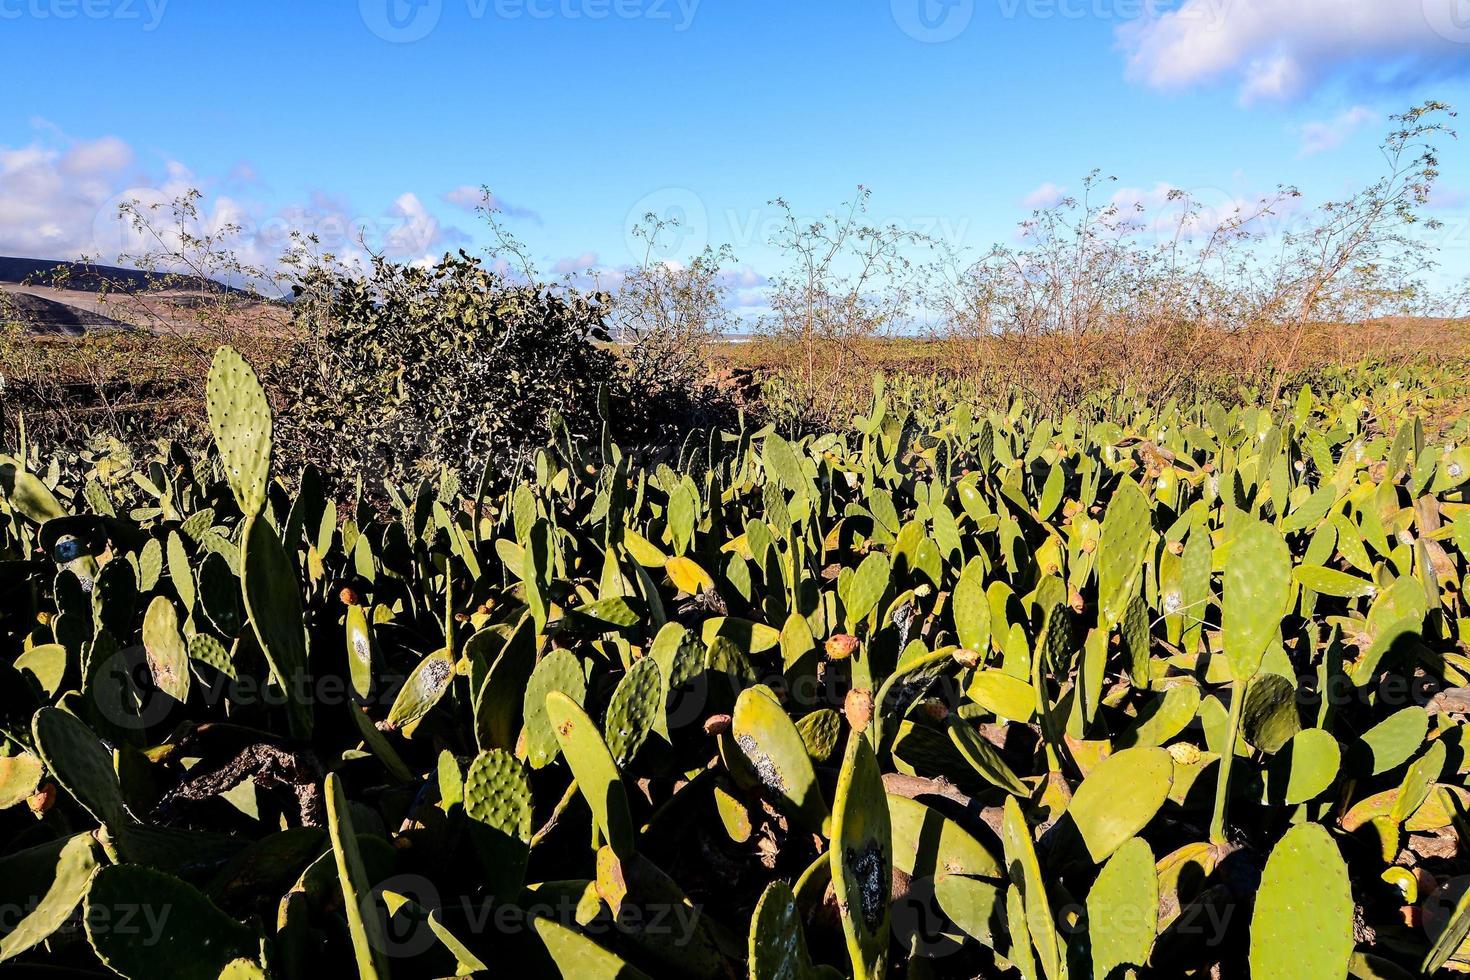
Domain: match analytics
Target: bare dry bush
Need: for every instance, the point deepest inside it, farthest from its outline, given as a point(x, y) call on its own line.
point(1098, 295)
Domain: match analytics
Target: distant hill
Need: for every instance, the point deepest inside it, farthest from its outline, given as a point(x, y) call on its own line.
point(87, 277)
point(64, 298)
point(48, 316)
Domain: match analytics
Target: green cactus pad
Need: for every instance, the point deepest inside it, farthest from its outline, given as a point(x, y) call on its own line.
point(972, 609)
point(820, 731)
point(48, 882)
point(1257, 593)
point(1302, 926)
point(81, 764)
point(560, 671)
point(168, 657)
point(1119, 798)
point(497, 797)
point(424, 687)
point(1304, 768)
point(268, 581)
point(1123, 909)
point(1028, 910)
point(574, 955)
point(862, 858)
point(594, 769)
point(777, 944)
point(964, 876)
point(635, 706)
point(778, 757)
point(19, 777)
point(240, 418)
point(207, 650)
point(145, 924)
point(368, 941)
point(359, 650)
point(1391, 742)
point(1125, 534)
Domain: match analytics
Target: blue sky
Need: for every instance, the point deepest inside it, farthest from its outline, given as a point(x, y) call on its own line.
point(581, 114)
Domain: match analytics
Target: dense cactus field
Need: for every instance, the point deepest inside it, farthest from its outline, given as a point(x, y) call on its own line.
point(1160, 691)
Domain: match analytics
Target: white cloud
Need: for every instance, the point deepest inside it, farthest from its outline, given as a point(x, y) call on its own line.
point(1048, 195)
point(100, 156)
point(1320, 136)
point(585, 262)
point(60, 199)
point(468, 197)
point(1277, 50)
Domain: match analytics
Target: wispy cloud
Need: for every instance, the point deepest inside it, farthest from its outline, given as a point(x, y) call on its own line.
point(468, 197)
point(1319, 136)
point(1280, 50)
point(1048, 195)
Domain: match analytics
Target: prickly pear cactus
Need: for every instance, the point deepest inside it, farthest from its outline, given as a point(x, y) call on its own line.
point(240, 418)
point(748, 704)
point(81, 764)
point(144, 923)
point(862, 858)
point(778, 757)
point(497, 797)
point(593, 767)
point(1302, 925)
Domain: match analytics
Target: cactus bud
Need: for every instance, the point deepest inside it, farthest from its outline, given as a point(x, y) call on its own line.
point(934, 710)
point(967, 658)
point(1184, 753)
point(42, 800)
point(350, 596)
point(717, 724)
